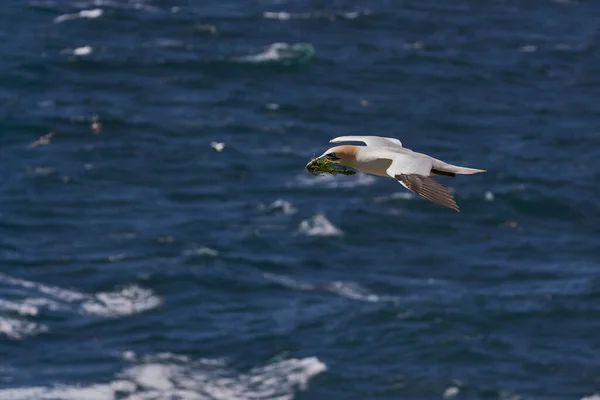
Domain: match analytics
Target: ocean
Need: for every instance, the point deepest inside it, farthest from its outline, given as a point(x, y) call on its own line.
point(163, 240)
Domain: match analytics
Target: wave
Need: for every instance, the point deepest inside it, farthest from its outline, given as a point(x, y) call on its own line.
point(37, 297)
point(281, 53)
point(349, 290)
point(280, 206)
point(169, 375)
point(331, 181)
point(17, 328)
point(78, 51)
point(328, 15)
point(89, 14)
point(319, 225)
point(592, 397)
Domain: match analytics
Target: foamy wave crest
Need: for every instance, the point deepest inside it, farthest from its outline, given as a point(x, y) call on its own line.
point(395, 196)
point(353, 291)
point(348, 290)
point(17, 329)
point(280, 205)
point(289, 282)
point(19, 308)
point(178, 378)
point(331, 15)
point(331, 181)
point(90, 14)
point(592, 397)
point(128, 300)
point(123, 5)
point(79, 51)
point(282, 53)
point(319, 225)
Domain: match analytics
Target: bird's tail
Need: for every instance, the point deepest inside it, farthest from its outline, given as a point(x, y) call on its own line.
point(443, 168)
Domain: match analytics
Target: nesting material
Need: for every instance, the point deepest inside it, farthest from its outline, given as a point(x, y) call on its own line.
point(320, 166)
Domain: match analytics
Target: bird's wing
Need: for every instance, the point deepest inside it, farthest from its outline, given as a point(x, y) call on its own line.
point(428, 188)
point(370, 141)
point(407, 163)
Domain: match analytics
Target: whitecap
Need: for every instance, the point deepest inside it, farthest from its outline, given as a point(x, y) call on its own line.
point(53, 291)
point(18, 308)
point(203, 379)
point(282, 206)
point(82, 51)
point(353, 291)
point(592, 397)
point(327, 15)
point(395, 196)
point(129, 300)
point(289, 282)
point(450, 392)
point(319, 225)
point(282, 53)
point(218, 146)
point(201, 251)
point(282, 15)
point(528, 49)
point(90, 14)
point(331, 181)
point(17, 328)
point(489, 196)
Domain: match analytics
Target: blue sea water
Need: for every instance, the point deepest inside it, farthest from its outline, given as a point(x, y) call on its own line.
point(169, 244)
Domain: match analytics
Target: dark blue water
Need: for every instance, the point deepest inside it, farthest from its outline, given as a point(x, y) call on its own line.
point(139, 262)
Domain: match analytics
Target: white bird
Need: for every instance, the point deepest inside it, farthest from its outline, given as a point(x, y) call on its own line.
point(387, 157)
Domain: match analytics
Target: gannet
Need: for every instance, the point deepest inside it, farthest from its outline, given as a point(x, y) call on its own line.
point(43, 140)
point(383, 156)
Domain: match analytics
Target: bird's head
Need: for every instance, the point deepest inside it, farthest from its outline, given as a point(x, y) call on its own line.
point(343, 155)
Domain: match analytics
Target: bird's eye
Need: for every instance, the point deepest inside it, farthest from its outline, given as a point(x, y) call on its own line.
point(331, 156)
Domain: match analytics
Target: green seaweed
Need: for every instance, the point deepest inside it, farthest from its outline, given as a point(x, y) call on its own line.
point(319, 166)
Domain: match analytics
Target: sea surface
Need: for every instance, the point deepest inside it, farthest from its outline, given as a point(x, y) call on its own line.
point(166, 242)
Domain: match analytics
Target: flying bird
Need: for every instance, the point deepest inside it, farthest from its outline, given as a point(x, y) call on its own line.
point(383, 156)
point(42, 140)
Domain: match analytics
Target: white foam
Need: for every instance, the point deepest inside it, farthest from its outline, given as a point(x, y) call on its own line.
point(129, 300)
point(90, 14)
point(489, 196)
point(349, 290)
point(282, 52)
point(201, 251)
point(83, 51)
point(131, 4)
point(451, 392)
point(289, 282)
point(353, 291)
point(331, 181)
point(19, 308)
point(592, 397)
point(395, 196)
point(282, 206)
point(319, 225)
point(185, 380)
point(331, 16)
point(53, 291)
point(17, 329)
point(528, 49)
point(282, 15)
point(218, 146)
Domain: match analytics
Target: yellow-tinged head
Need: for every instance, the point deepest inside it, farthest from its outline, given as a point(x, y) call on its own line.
point(343, 155)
